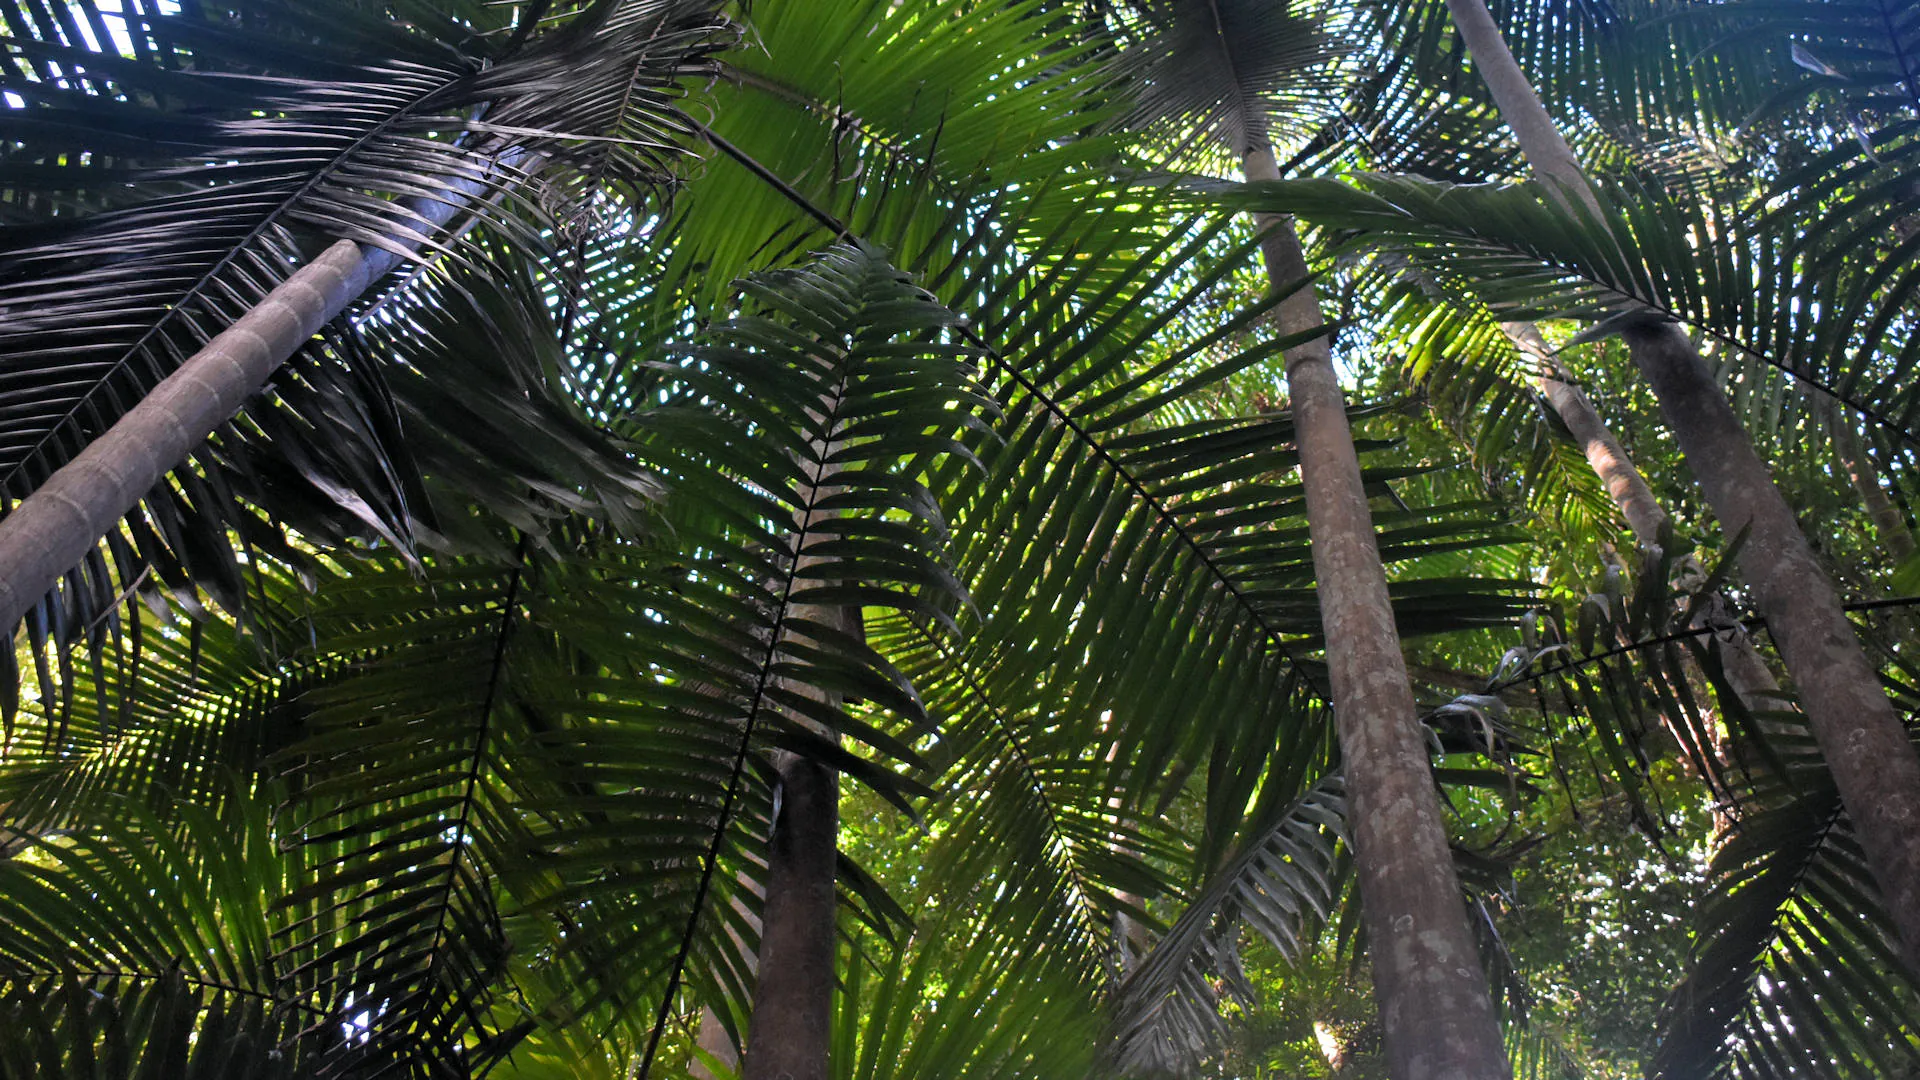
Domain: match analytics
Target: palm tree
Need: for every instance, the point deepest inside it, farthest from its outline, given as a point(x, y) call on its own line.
point(1218, 64)
point(457, 708)
point(523, 739)
point(1866, 745)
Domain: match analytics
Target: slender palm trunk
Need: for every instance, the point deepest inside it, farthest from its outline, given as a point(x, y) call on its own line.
point(1746, 672)
point(1434, 1004)
point(1625, 486)
point(51, 530)
point(1865, 745)
point(1856, 461)
point(791, 1030)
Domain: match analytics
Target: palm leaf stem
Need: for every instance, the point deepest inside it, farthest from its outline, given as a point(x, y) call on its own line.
point(463, 839)
point(1065, 418)
point(202, 982)
point(1082, 888)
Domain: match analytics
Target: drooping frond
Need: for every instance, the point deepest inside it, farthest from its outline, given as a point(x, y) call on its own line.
point(166, 166)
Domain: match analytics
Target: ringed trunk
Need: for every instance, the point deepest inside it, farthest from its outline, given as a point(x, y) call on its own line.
point(1435, 1009)
point(52, 529)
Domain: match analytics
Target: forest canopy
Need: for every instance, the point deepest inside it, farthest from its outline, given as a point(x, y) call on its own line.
point(960, 539)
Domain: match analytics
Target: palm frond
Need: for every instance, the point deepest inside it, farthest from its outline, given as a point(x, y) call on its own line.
point(1795, 969)
point(1820, 308)
point(1283, 883)
point(172, 187)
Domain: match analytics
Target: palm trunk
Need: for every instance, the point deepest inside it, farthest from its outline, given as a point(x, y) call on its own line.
point(1746, 672)
point(1617, 472)
point(790, 1033)
point(1434, 1004)
point(712, 1039)
point(1851, 452)
point(1866, 746)
point(51, 530)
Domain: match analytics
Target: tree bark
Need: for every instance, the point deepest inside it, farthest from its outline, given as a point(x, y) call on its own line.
point(792, 1027)
point(51, 530)
point(1865, 744)
point(1435, 1008)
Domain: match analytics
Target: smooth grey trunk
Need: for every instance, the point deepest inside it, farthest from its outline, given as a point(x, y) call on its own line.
point(1435, 1008)
point(52, 529)
point(1865, 744)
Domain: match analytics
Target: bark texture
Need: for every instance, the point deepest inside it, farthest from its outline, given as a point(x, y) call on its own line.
point(1865, 745)
point(1435, 1009)
point(792, 1027)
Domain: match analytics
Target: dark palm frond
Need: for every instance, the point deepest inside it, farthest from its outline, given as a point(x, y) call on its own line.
point(1140, 575)
point(550, 756)
point(1816, 308)
point(965, 996)
point(1794, 971)
point(792, 446)
point(170, 188)
point(168, 717)
point(1222, 69)
point(141, 947)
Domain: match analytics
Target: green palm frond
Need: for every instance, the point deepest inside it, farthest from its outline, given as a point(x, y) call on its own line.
point(1823, 309)
point(1283, 882)
point(140, 947)
point(1222, 70)
point(965, 997)
point(899, 119)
